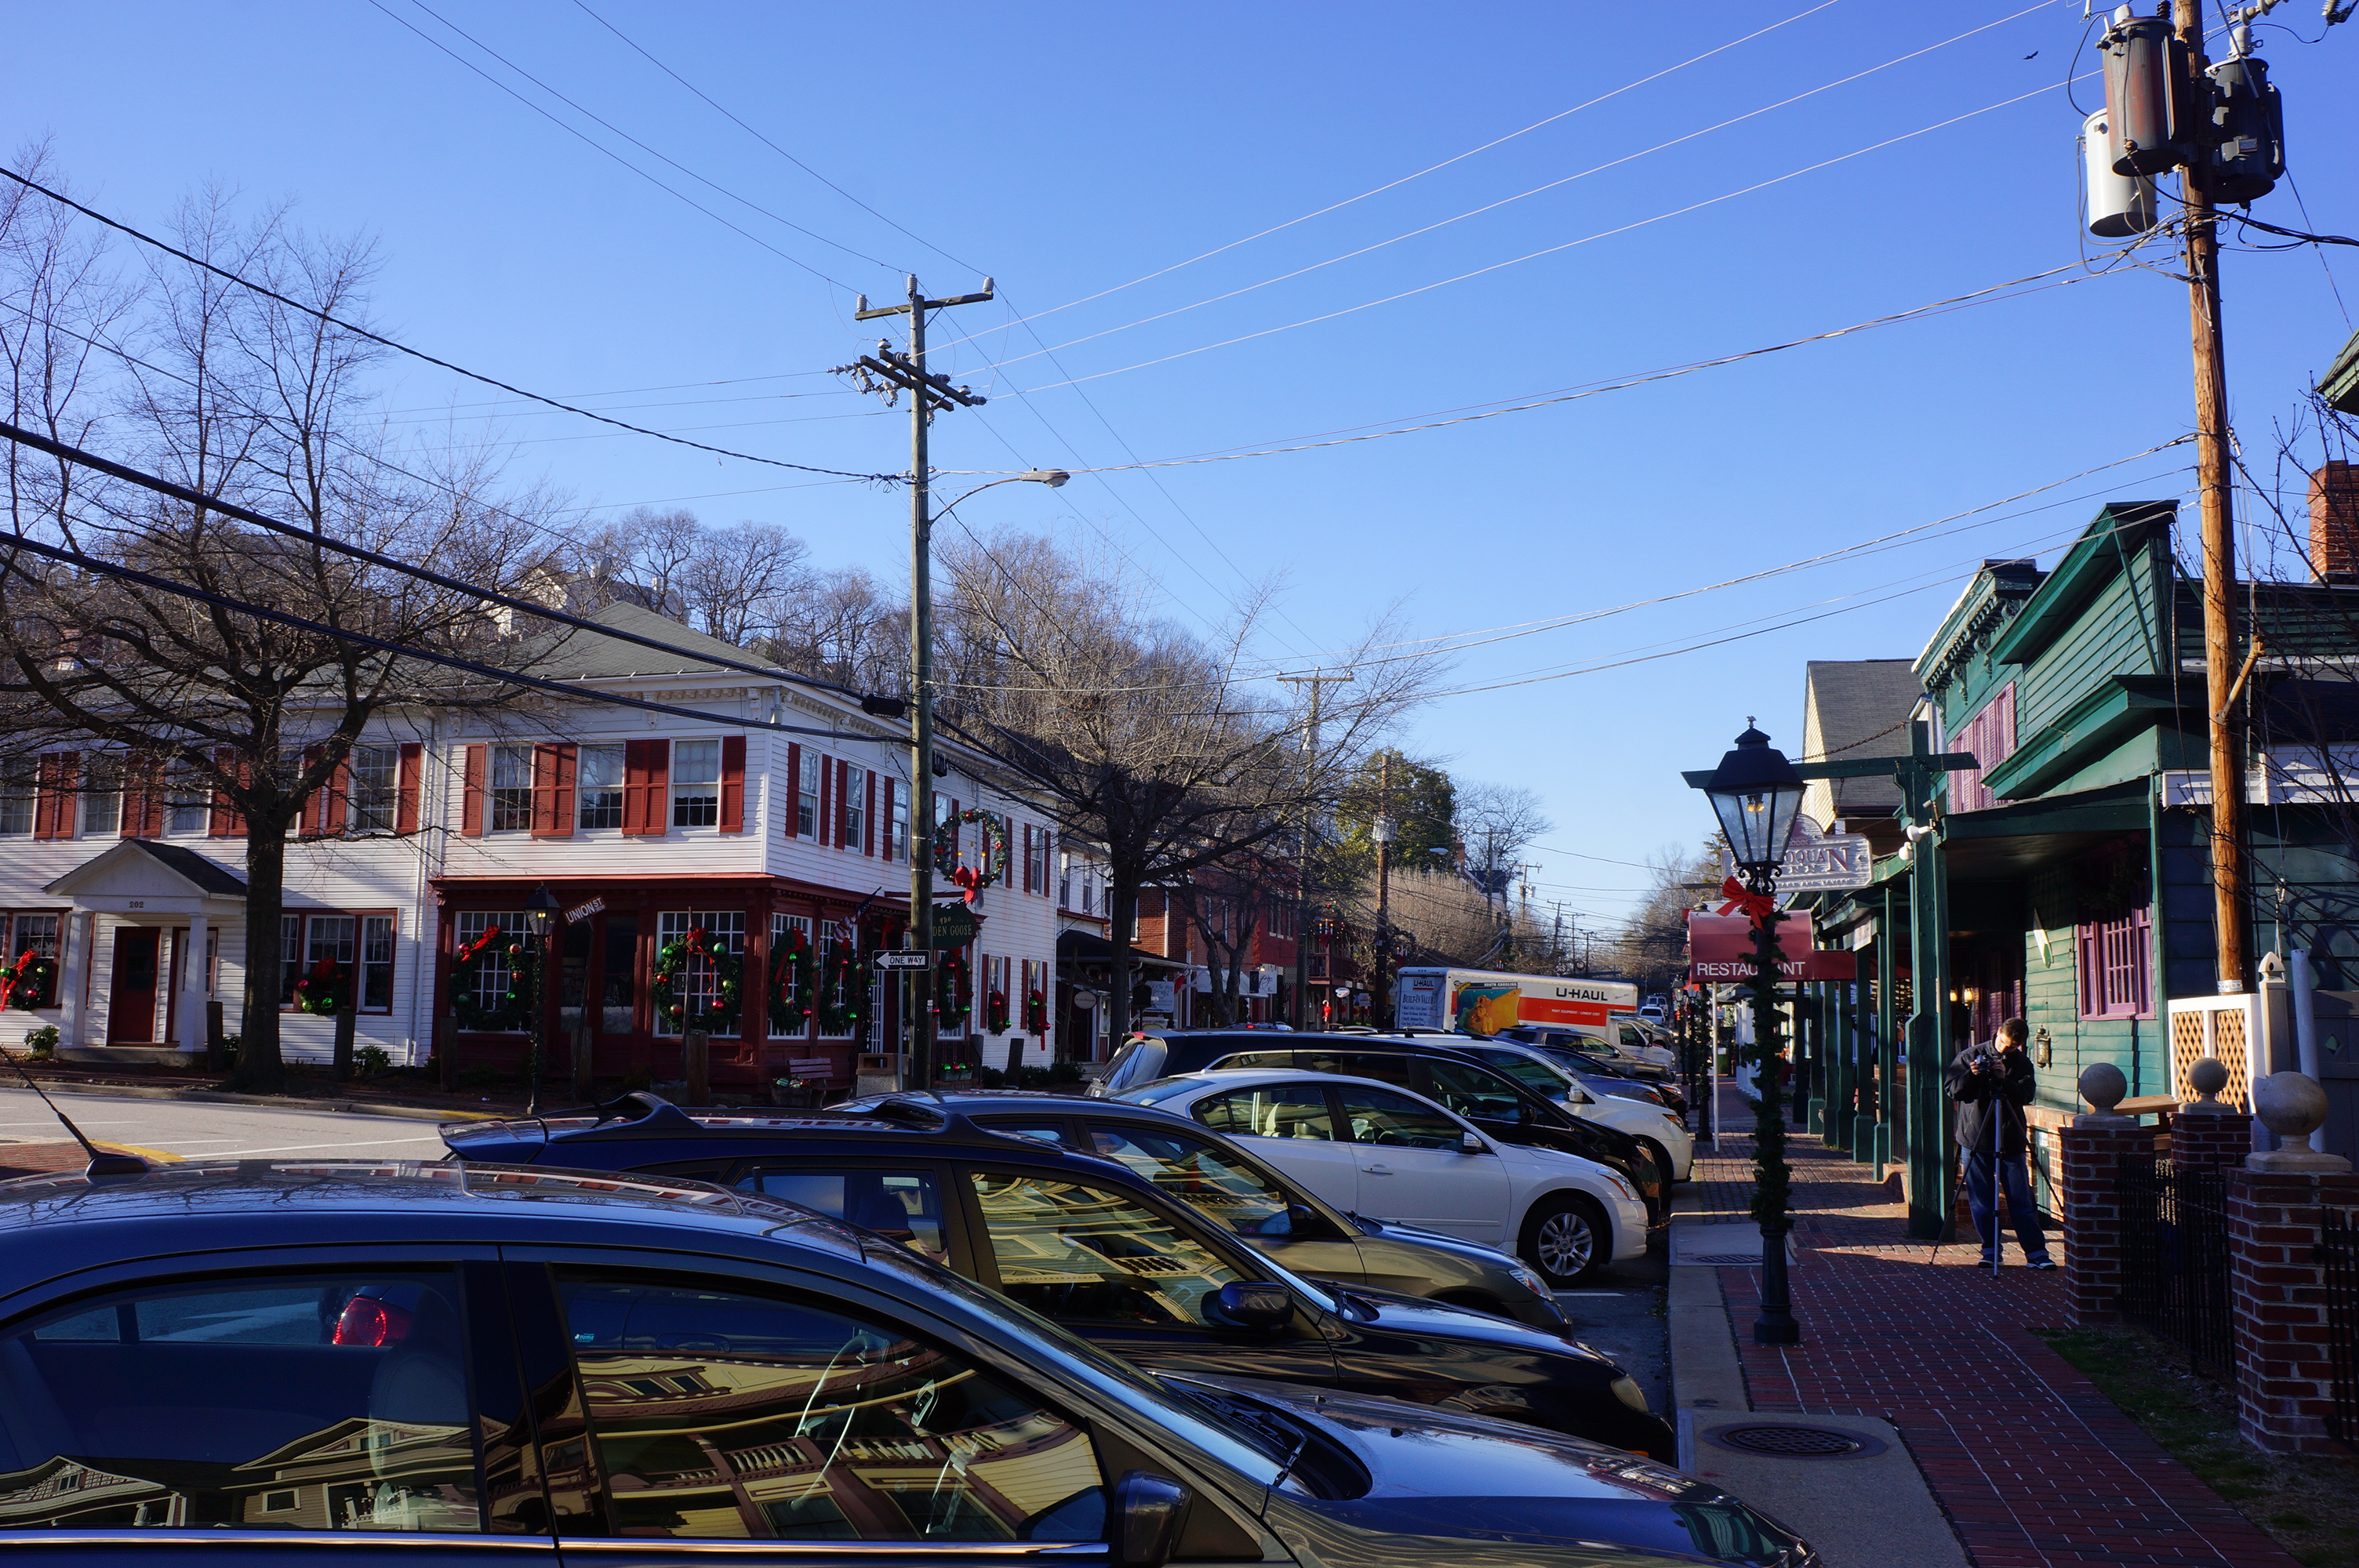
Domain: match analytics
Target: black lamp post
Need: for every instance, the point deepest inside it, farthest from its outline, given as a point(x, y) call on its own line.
point(1757, 794)
point(540, 914)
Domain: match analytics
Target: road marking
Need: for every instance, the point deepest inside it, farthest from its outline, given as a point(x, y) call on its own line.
point(1562, 1295)
point(145, 1153)
point(296, 1147)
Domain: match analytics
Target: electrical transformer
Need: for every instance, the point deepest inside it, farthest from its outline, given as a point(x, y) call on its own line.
point(2247, 131)
point(2120, 205)
point(2143, 67)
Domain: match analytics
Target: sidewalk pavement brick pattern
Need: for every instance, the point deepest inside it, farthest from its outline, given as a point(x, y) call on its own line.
point(2033, 1465)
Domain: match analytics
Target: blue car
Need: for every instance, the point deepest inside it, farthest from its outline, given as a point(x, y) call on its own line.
point(297, 1363)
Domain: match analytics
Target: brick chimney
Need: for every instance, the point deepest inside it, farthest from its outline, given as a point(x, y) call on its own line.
point(2334, 522)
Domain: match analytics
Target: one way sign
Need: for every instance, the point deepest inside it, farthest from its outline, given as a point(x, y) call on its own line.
point(895, 959)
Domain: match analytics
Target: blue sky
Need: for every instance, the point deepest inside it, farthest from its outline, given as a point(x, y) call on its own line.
point(1069, 150)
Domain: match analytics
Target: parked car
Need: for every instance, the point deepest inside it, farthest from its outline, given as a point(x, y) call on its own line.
point(1093, 1245)
point(1602, 1049)
point(1601, 1074)
point(262, 1362)
point(1268, 1210)
point(1401, 1154)
point(1434, 1065)
point(1662, 1129)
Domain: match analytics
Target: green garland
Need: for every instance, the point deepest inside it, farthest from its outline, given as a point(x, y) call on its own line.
point(950, 1000)
point(512, 1012)
point(1035, 1014)
point(790, 984)
point(721, 1015)
point(996, 1013)
point(325, 990)
point(31, 982)
point(840, 1009)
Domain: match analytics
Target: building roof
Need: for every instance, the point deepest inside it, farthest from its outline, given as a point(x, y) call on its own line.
point(569, 655)
point(205, 878)
point(2340, 385)
point(1848, 707)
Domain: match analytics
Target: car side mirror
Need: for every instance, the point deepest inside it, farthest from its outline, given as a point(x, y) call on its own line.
point(1149, 1510)
point(1304, 1223)
point(1253, 1304)
point(1471, 1144)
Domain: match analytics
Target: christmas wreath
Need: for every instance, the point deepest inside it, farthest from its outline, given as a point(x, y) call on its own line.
point(972, 880)
point(996, 1013)
point(1036, 1014)
point(509, 1012)
point(722, 1012)
point(949, 988)
point(839, 1007)
point(31, 982)
point(790, 984)
point(325, 988)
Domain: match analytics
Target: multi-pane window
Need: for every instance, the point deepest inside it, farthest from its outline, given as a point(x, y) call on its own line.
point(1064, 881)
point(36, 935)
point(2115, 978)
point(782, 927)
point(1989, 737)
point(374, 773)
point(598, 785)
point(898, 847)
point(511, 790)
point(290, 957)
point(101, 801)
point(16, 795)
point(807, 795)
point(855, 808)
point(1036, 860)
point(697, 986)
point(695, 784)
point(491, 970)
point(361, 946)
point(376, 963)
point(188, 804)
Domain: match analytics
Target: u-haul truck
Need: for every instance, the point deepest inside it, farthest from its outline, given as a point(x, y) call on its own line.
point(1483, 1001)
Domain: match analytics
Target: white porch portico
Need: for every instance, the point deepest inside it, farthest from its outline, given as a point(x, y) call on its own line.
point(143, 951)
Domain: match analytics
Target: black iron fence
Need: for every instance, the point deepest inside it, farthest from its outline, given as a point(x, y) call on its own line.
point(2337, 1249)
point(2175, 1259)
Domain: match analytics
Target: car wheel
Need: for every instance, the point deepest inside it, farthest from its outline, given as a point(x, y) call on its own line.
point(1662, 1159)
point(1566, 1239)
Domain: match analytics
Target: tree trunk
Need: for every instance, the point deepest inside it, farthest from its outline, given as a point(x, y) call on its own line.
point(347, 1025)
point(1122, 914)
point(260, 1068)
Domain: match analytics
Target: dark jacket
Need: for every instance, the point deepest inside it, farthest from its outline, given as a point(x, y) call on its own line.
point(1979, 1095)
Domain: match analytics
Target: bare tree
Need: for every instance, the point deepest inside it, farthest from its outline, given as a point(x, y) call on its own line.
point(1496, 823)
point(1229, 903)
point(262, 405)
point(841, 626)
point(1136, 735)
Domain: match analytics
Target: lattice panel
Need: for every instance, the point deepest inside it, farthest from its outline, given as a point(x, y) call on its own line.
point(2188, 1046)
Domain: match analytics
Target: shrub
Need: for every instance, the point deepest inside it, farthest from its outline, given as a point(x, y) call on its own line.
point(370, 1061)
point(41, 1045)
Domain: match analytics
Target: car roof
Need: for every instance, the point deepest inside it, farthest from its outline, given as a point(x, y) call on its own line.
point(1251, 1077)
point(1001, 1102)
point(54, 1224)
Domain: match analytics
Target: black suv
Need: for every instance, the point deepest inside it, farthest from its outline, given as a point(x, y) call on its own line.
point(1425, 1064)
point(1094, 1246)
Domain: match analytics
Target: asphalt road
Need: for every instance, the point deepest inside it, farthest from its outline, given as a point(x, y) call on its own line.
point(1623, 1314)
point(199, 1131)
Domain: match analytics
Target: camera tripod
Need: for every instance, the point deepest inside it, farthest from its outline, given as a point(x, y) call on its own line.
point(1950, 1211)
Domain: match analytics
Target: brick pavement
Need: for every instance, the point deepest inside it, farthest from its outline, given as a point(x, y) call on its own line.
point(2035, 1468)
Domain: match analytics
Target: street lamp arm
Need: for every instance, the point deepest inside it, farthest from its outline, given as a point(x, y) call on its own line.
point(1052, 478)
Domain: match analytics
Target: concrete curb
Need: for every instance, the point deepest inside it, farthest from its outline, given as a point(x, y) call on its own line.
point(268, 1102)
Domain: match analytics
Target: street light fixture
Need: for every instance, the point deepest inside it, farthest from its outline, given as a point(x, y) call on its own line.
point(539, 913)
point(918, 1028)
point(1757, 794)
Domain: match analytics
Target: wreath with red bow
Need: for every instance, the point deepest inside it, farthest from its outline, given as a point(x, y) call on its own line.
point(847, 983)
point(325, 988)
point(972, 880)
point(511, 1010)
point(721, 1013)
point(31, 982)
point(790, 984)
point(1036, 1014)
point(949, 987)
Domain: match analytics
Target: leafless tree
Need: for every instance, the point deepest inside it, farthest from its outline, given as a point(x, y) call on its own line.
point(842, 626)
point(265, 407)
point(1496, 824)
point(1160, 745)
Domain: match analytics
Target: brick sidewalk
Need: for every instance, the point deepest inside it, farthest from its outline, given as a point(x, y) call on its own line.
point(2032, 1464)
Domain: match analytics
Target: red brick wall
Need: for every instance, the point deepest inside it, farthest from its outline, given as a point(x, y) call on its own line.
point(2214, 1138)
point(2092, 1217)
point(2278, 1311)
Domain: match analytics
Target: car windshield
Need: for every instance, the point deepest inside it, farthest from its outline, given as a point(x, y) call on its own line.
point(1214, 1182)
point(1541, 1076)
point(1159, 1091)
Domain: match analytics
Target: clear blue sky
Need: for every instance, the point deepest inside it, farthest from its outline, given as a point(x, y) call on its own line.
point(1069, 149)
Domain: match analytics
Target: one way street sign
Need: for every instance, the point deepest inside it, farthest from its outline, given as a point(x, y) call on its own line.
point(893, 958)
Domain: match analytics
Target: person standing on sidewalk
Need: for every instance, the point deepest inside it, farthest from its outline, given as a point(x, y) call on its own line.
point(1992, 1083)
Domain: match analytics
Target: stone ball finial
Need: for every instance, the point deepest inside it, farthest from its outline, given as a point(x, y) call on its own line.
point(2291, 1105)
point(2103, 1085)
point(2207, 1077)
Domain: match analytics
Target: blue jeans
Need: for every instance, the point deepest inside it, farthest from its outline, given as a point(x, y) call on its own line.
point(1984, 1171)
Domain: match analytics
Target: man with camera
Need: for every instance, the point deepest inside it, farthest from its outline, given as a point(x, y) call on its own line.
point(1992, 1084)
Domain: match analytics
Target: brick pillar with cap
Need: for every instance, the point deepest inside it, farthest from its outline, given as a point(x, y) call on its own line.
point(2206, 1134)
point(2277, 1304)
point(2091, 1205)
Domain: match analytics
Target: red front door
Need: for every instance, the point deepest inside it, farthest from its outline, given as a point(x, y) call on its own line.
point(131, 1002)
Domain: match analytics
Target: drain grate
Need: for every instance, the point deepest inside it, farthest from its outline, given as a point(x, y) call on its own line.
point(1795, 1442)
point(1719, 1258)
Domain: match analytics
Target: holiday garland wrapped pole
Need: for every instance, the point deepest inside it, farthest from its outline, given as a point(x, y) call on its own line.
point(1773, 1187)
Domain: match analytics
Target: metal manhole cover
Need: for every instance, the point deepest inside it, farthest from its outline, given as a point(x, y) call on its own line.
point(1795, 1442)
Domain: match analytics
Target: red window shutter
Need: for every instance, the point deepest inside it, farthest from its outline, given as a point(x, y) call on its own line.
point(143, 797)
point(224, 822)
point(471, 784)
point(53, 805)
point(553, 791)
point(826, 834)
point(868, 816)
point(732, 783)
point(412, 775)
point(794, 790)
point(339, 791)
point(647, 787)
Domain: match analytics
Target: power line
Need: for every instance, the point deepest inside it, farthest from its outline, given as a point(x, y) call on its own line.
point(1393, 184)
point(420, 354)
point(1535, 190)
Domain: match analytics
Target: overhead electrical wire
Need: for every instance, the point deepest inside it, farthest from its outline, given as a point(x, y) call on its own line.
point(1535, 190)
point(1393, 184)
point(400, 347)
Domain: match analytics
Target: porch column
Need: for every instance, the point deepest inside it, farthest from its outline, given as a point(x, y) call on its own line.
point(1843, 1066)
point(1889, 1109)
point(78, 934)
point(190, 1012)
point(1931, 1158)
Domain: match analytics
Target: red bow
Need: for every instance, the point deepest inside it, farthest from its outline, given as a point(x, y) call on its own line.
point(970, 881)
point(1754, 906)
point(11, 978)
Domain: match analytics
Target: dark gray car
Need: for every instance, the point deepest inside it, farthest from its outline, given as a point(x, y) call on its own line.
point(1268, 1210)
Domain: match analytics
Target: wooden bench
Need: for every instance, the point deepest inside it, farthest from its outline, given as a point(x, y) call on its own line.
point(811, 1067)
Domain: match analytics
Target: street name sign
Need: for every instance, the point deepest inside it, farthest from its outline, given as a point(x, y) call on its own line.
point(909, 958)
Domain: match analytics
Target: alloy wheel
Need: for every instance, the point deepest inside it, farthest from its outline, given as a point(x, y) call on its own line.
point(1565, 1243)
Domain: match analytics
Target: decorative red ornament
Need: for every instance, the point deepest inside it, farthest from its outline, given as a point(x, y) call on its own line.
point(971, 882)
point(1754, 906)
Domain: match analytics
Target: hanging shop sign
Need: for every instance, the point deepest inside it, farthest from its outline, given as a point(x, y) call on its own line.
point(1719, 951)
point(955, 925)
point(581, 912)
point(1818, 861)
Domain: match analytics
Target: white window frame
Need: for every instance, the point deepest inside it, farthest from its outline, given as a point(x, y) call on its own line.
point(583, 789)
point(694, 803)
point(696, 975)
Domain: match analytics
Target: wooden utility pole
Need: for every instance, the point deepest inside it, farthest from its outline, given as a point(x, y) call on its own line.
point(2213, 498)
point(928, 396)
point(1319, 681)
point(1383, 829)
